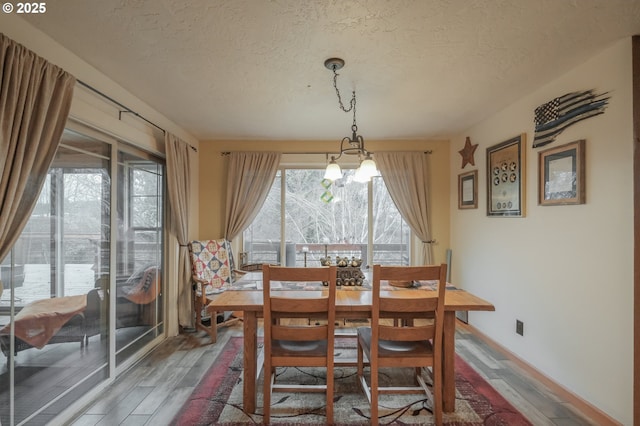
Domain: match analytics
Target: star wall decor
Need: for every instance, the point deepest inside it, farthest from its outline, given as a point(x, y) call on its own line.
point(467, 153)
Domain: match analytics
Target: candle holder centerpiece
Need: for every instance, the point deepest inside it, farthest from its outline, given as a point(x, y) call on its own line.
point(348, 270)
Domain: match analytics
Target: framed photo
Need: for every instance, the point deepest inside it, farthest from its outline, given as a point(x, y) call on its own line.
point(505, 178)
point(561, 175)
point(468, 190)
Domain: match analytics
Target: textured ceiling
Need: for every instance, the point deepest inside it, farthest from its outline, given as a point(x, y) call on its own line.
point(253, 69)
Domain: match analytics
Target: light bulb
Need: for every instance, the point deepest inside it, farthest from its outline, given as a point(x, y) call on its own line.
point(368, 167)
point(333, 171)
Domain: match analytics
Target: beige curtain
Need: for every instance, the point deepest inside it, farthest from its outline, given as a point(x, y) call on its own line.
point(179, 185)
point(406, 175)
point(35, 99)
point(250, 177)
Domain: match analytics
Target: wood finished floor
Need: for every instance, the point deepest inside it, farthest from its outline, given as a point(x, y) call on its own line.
point(153, 391)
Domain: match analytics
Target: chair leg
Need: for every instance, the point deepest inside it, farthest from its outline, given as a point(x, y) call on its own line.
point(437, 409)
point(266, 395)
point(329, 409)
point(374, 391)
point(360, 359)
point(437, 397)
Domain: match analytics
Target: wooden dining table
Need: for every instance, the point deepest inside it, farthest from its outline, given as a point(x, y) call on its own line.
point(350, 304)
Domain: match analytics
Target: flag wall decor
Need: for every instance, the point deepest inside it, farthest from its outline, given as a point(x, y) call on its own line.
point(556, 115)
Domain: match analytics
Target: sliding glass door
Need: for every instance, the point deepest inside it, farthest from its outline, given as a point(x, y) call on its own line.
point(54, 330)
point(81, 291)
point(139, 308)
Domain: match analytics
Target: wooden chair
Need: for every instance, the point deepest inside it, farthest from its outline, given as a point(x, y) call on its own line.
point(391, 343)
point(287, 345)
point(211, 271)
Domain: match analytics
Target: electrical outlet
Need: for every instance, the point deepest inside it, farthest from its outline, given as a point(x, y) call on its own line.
point(520, 327)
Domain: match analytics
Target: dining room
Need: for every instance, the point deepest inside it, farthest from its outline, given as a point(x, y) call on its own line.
point(547, 253)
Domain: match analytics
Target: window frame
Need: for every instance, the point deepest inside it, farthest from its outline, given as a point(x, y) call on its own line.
point(313, 162)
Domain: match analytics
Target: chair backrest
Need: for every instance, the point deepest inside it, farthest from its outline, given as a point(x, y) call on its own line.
point(210, 263)
point(303, 304)
point(429, 304)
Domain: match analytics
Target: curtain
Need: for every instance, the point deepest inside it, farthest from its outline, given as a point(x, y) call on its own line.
point(407, 180)
point(250, 178)
point(35, 99)
point(179, 186)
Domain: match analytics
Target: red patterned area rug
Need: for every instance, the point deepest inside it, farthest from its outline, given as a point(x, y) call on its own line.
point(217, 400)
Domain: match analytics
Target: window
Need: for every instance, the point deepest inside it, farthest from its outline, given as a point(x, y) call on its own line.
point(344, 218)
point(262, 238)
point(56, 252)
point(392, 235)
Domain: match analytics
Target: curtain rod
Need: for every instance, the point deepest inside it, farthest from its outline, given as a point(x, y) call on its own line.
point(125, 109)
point(225, 153)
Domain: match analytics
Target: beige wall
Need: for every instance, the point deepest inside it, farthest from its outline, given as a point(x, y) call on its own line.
point(566, 271)
point(213, 169)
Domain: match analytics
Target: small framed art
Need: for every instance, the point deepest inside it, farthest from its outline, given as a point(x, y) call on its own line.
point(468, 190)
point(561, 174)
point(505, 178)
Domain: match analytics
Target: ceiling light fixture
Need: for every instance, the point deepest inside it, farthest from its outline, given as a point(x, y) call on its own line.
point(355, 143)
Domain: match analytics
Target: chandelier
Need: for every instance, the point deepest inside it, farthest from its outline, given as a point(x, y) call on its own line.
point(353, 145)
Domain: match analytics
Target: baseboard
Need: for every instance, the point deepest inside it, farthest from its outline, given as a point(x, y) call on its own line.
point(595, 414)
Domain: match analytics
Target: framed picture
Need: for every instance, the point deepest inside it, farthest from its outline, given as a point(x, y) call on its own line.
point(561, 175)
point(505, 178)
point(468, 190)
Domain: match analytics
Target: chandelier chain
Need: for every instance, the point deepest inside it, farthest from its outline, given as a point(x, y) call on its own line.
point(352, 102)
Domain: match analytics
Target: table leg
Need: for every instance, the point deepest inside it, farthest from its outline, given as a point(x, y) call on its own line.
point(448, 362)
point(250, 322)
point(213, 327)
